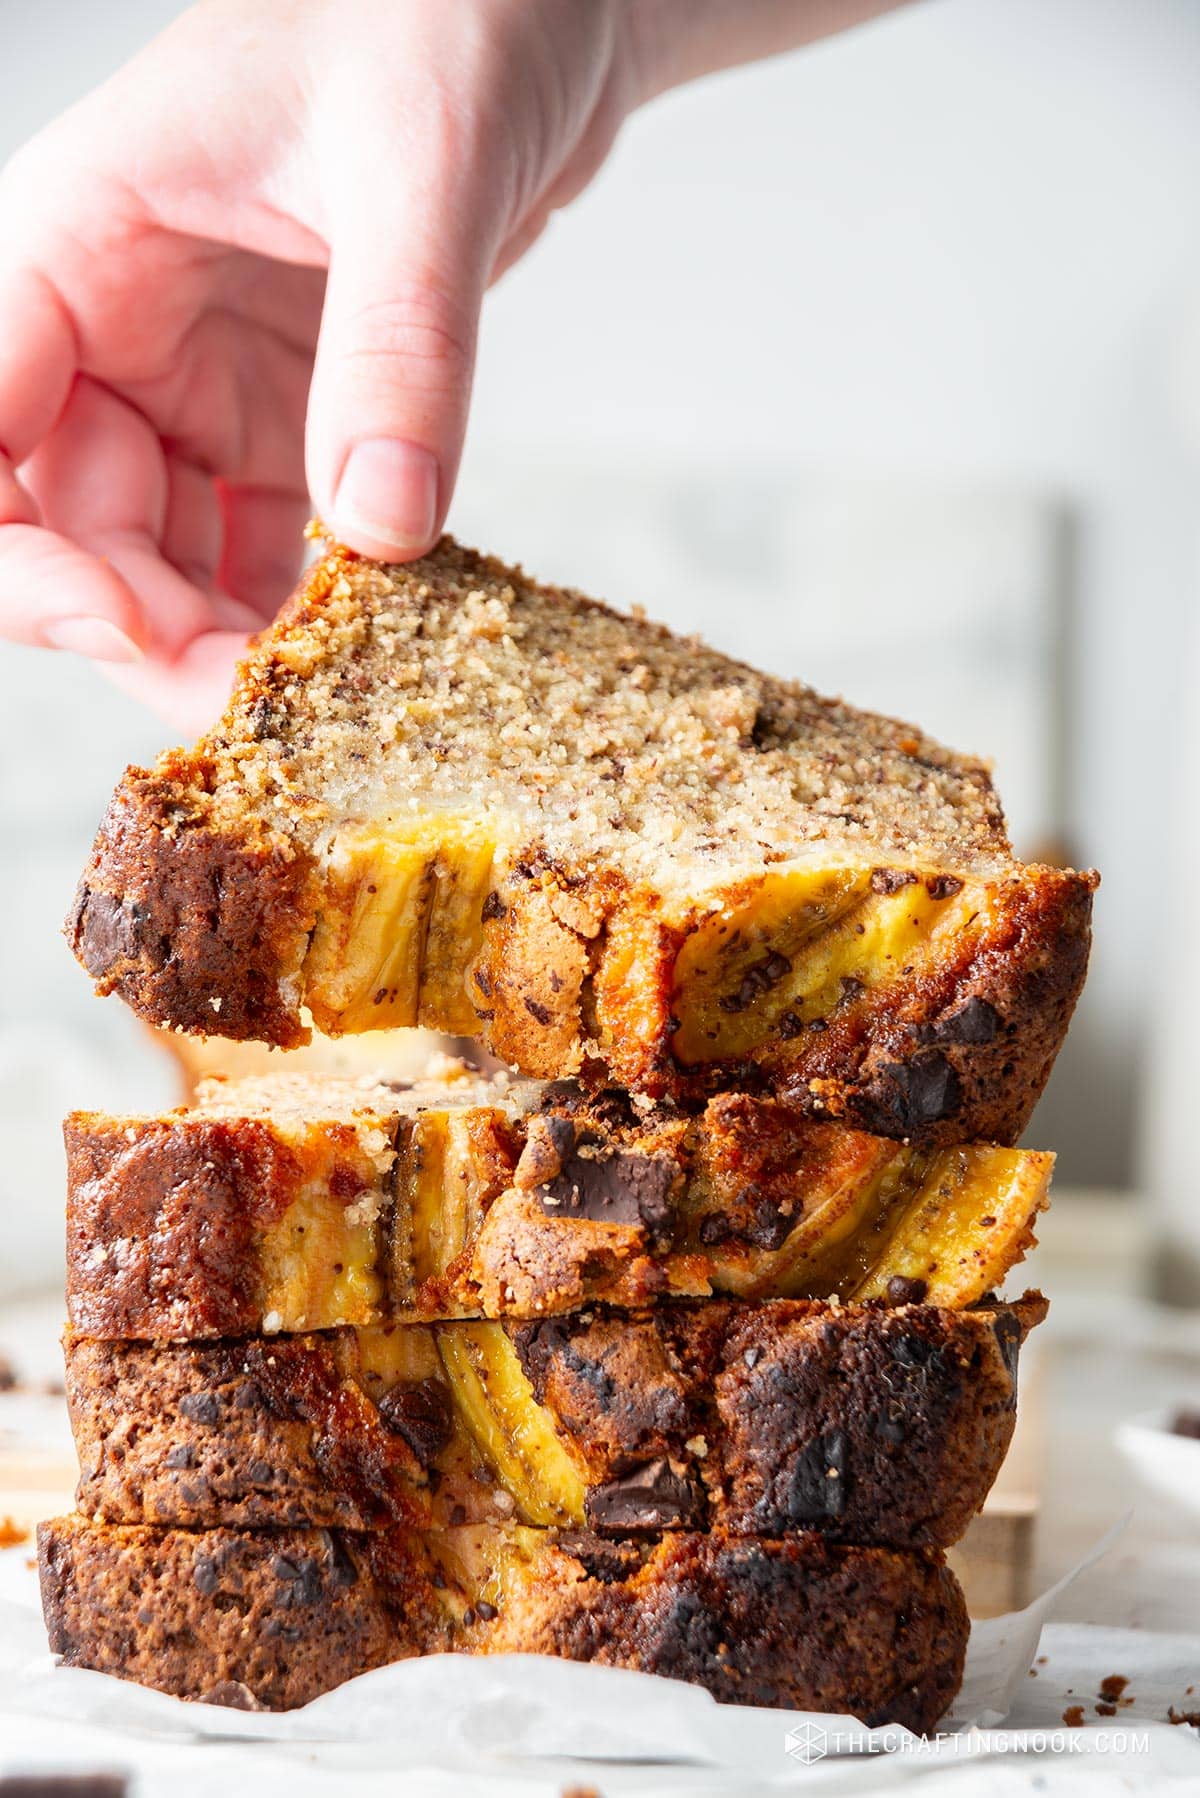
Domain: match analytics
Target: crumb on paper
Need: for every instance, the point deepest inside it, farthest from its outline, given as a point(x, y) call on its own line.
point(1073, 1716)
point(11, 1533)
point(1113, 1695)
point(1192, 1717)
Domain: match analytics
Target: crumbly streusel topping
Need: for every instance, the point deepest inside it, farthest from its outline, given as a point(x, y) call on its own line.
point(457, 685)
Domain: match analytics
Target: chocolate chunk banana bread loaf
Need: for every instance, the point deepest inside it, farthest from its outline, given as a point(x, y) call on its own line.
point(274, 1618)
point(442, 794)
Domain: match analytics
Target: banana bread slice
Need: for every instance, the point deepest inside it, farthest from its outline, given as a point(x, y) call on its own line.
point(274, 1618)
point(290, 1203)
point(442, 794)
point(870, 1425)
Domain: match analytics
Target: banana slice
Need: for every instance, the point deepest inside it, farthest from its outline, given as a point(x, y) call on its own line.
point(513, 1433)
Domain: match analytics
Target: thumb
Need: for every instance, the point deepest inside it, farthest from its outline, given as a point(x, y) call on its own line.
point(392, 379)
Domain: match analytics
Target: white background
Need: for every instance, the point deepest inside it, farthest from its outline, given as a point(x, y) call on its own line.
point(957, 252)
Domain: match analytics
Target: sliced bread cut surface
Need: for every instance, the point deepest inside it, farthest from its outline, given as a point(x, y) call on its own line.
point(273, 1618)
point(871, 1425)
point(442, 794)
point(286, 1204)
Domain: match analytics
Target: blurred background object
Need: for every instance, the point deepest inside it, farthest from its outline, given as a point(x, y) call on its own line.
point(868, 365)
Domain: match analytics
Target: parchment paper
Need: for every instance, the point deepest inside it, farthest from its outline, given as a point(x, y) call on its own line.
point(449, 1711)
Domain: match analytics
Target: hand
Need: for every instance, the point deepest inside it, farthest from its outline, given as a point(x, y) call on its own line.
point(273, 229)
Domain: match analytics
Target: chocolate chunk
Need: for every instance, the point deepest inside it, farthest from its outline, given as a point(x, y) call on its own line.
point(943, 886)
point(789, 1025)
point(204, 1575)
point(201, 1407)
point(770, 1216)
point(756, 980)
point(420, 1412)
point(300, 1580)
point(975, 1021)
point(486, 1613)
point(616, 1189)
point(343, 1569)
point(651, 1497)
point(263, 720)
point(915, 1093)
point(183, 1455)
point(493, 907)
point(539, 1012)
point(601, 1558)
point(891, 880)
point(904, 1291)
point(107, 930)
point(819, 1483)
point(1008, 1335)
point(891, 1428)
point(715, 1228)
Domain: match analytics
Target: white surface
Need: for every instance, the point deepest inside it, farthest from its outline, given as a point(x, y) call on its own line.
point(960, 246)
point(1160, 1457)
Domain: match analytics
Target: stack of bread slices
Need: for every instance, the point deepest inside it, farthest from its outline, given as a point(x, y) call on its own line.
point(676, 1344)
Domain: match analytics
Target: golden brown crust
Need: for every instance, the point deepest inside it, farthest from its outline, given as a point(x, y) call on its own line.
point(275, 1618)
point(441, 1202)
point(203, 932)
point(198, 927)
point(869, 1425)
point(220, 895)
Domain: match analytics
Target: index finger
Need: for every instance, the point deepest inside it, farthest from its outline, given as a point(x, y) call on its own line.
point(38, 358)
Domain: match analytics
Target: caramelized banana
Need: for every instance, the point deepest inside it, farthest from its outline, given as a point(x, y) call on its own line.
point(959, 1231)
point(495, 1401)
point(400, 927)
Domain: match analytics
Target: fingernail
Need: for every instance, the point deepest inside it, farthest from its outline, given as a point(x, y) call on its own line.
point(388, 493)
point(94, 638)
